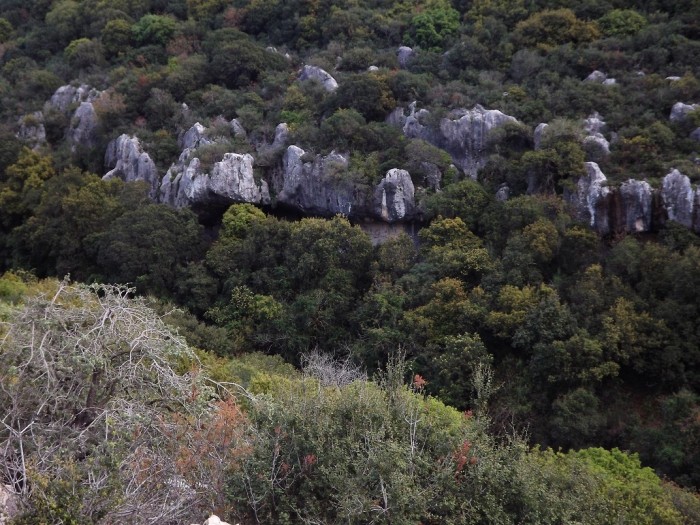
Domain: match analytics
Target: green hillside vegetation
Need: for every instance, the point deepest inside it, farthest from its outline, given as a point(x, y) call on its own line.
point(507, 365)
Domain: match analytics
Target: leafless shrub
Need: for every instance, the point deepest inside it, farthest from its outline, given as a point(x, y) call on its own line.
point(330, 370)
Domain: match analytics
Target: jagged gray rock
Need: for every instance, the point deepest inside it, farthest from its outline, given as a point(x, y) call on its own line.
point(680, 111)
point(320, 75)
point(597, 76)
point(503, 193)
point(237, 129)
point(589, 199)
point(229, 181)
point(537, 135)
point(31, 129)
point(314, 187)
point(127, 161)
point(678, 198)
point(194, 137)
point(83, 128)
point(66, 96)
point(463, 133)
point(394, 197)
point(404, 54)
point(281, 136)
point(636, 204)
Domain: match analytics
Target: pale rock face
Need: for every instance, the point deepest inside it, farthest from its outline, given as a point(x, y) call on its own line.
point(597, 76)
point(680, 111)
point(404, 54)
point(281, 136)
point(66, 96)
point(31, 129)
point(194, 137)
point(230, 180)
point(372, 68)
point(636, 198)
point(503, 193)
point(320, 75)
point(609, 82)
point(673, 78)
point(127, 161)
point(312, 187)
point(695, 135)
point(214, 520)
point(463, 133)
point(83, 128)
point(237, 129)
point(589, 198)
point(678, 198)
point(395, 196)
point(537, 135)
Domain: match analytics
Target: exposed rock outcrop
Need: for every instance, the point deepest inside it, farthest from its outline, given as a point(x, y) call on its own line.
point(463, 133)
point(594, 126)
point(680, 111)
point(315, 187)
point(194, 137)
point(31, 129)
point(320, 186)
point(237, 129)
point(229, 181)
point(404, 54)
point(320, 75)
point(394, 198)
point(537, 135)
point(634, 207)
point(83, 128)
point(680, 200)
point(127, 161)
point(589, 199)
point(597, 77)
point(66, 96)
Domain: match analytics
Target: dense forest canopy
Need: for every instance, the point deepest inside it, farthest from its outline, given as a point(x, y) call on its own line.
point(565, 333)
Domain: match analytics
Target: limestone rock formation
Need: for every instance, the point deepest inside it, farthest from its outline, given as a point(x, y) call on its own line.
point(314, 187)
point(9, 504)
point(597, 77)
point(589, 199)
point(31, 129)
point(66, 96)
point(394, 198)
point(680, 200)
point(320, 75)
point(237, 129)
point(231, 180)
point(636, 206)
point(404, 54)
point(537, 135)
point(126, 160)
point(83, 128)
point(194, 137)
point(463, 133)
point(680, 111)
point(594, 126)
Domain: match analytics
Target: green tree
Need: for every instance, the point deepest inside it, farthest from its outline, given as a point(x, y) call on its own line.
point(432, 28)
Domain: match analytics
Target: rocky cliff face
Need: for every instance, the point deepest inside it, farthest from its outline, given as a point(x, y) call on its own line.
point(84, 123)
point(318, 186)
point(634, 207)
point(463, 133)
point(125, 159)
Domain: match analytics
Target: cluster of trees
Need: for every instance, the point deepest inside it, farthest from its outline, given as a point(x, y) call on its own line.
point(110, 417)
point(592, 342)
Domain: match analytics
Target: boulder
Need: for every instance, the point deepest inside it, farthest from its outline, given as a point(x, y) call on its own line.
point(636, 206)
point(609, 82)
point(589, 199)
point(673, 78)
point(214, 520)
point(597, 77)
point(695, 135)
point(404, 54)
point(31, 129)
point(680, 111)
point(678, 198)
point(281, 136)
point(127, 161)
point(503, 193)
point(321, 76)
point(394, 197)
point(595, 141)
